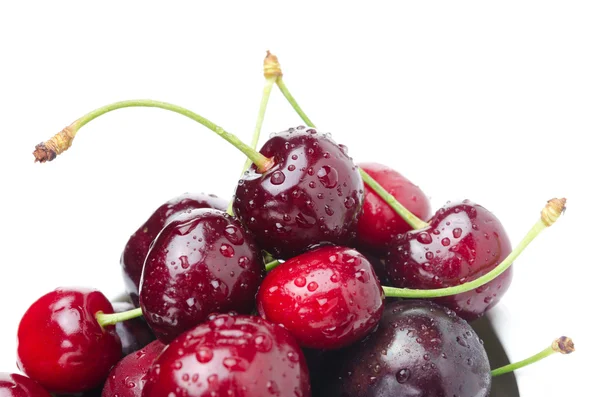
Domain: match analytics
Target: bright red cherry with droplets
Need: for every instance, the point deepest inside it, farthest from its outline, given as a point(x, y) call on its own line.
point(61, 345)
point(312, 194)
point(15, 385)
point(462, 242)
point(202, 262)
point(418, 349)
point(230, 355)
point(327, 298)
point(134, 333)
point(379, 223)
point(134, 254)
point(128, 377)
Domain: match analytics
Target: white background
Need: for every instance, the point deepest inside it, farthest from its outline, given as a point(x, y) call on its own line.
point(497, 102)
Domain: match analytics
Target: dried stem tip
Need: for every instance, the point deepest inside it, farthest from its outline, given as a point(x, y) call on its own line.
point(553, 210)
point(563, 345)
point(271, 66)
point(47, 151)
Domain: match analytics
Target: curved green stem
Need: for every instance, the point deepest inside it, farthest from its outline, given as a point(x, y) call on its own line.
point(113, 318)
point(471, 285)
point(286, 93)
point(401, 210)
point(514, 366)
point(261, 161)
point(562, 345)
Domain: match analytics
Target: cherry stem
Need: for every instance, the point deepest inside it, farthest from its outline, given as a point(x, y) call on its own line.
point(272, 265)
point(287, 94)
point(113, 318)
point(48, 150)
point(562, 345)
point(401, 210)
point(554, 208)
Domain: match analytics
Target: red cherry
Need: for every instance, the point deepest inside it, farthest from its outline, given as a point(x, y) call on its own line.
point(62, 346)
point(379, 223)
point(327, 298)
point(128, 377)
point(202, 262)
point(134, 333)
point(134, 254)
point(463, 242)
point(312, 194)
point(230, 356)
point(14, 385)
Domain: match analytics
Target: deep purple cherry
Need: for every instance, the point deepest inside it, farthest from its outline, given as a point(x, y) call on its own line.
point(230, 356)
point(14, 385)
point(202, 262)
point(312, 194)
point(128, 377)
point(462, 242)
point(134, 333)
point(419, 349)
point(134, 254)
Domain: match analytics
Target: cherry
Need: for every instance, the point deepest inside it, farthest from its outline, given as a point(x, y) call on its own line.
point(134, 254)
point(379, 223)
point(202, 262)
point(230, 355)
point(134, 333)
point(419, 349)
point(313, 193)
point(128, 377)
point(14, 385)
point(327, 298)
point(462, 242)
point(62, 346)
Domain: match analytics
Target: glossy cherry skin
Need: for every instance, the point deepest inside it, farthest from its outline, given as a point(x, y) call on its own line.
point(134, 333)
point(230, 355)
point(128, 377)
point(419, 349)
point(463, 242)
point(379, 223)
point(134, 254)
point(61, 345)
point(14, 385)
point(202, 262)
point(313, 194)
point(327, 298)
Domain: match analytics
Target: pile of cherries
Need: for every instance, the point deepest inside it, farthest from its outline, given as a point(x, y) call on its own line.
point(281, 295)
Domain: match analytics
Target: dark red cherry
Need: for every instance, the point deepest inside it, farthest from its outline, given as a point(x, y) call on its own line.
point(61, 345)
point(463, 242)
point(312, 194)
point(327, 298)
point(202, 262)
point(230, 356)
point(378, 263)
point(128, 377)
point(379, 223)
point(134, 333)
point(419, 349)
point(134, 254)
point(14, 385)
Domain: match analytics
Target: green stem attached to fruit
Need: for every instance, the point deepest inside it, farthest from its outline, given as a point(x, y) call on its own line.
point(47, 151)
point(563, 345)
point(551, 212)
point(113, 318)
